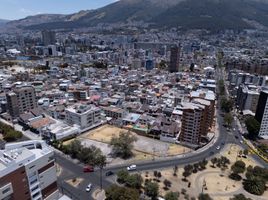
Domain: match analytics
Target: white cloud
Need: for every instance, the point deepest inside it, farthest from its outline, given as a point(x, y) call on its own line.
point(24, 10)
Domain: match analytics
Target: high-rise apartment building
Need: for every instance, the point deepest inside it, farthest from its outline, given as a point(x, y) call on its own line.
point(28, 172)
point(208, 96)
point(20, 100)
point(262, 114)
point(48, 37)
point(247, 98)
point(193, 123)
point(174, 59)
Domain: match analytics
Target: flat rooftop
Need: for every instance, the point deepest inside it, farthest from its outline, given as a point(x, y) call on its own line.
point(81, 108)
point(18, 154)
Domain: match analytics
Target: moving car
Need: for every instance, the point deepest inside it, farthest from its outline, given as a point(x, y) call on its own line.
point(218, 147)
point(109, 173)
point(89, 186)
point(132, 167)
point(88, 168)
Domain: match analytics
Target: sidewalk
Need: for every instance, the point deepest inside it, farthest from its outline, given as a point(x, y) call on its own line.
point(28, 133)
point(249, 143)
point(99, 194)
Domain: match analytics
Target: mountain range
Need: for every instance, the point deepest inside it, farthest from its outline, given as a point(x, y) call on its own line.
point(186, 14)
point(3, 22)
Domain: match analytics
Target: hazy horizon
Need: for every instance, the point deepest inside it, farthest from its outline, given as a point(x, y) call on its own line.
point(18, 9)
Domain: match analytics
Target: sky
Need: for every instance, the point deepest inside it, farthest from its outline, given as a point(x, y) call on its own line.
point(17, 9)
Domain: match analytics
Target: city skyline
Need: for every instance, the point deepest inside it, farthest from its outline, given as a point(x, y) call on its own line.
point(18, 9)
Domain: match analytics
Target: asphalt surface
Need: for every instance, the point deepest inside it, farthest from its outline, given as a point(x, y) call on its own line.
point(71, 170)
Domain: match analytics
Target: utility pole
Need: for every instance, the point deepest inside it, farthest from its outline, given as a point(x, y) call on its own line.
point(101, 167)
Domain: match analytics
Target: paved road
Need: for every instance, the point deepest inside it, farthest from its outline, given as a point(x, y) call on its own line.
point(72, 170)
point(225, 137)
point(76, 170)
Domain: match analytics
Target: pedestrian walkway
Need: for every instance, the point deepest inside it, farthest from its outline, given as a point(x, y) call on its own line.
point(98, 194)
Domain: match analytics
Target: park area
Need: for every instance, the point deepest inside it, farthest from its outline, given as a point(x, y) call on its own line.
point(212, 180)
point(144, 148)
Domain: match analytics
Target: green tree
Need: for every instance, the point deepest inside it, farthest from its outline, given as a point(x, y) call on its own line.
point(12, 136)
point(203, 164)
point(254, 185)
point(196, 167)
point(238, 167)
point(245, 152)
point(175, 170)
point(257, 172)
point(123, 144)
point(75, 148)
point(221, 87)
point(253, 127)
point(214, 161)
point(185, 174)
point(226, 105)
point(115, 192)
point(134, 181)
point(151, 189)
point(9, 133)
point(188, 168)
point(167, 184)
point(240, 197)
point(223, 162)
point(122, 176)
point(228, 119)
point(172, 196)
point(203, 196)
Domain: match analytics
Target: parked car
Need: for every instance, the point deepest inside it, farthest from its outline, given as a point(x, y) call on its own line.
point(218, 147)
point(88, 168)
point(132, 167)
point(109, 173)
point(88, 188)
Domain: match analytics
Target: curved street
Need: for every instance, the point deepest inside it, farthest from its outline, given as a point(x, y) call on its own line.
point(75, 170)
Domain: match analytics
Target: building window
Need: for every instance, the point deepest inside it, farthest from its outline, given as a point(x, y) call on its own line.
point(6, 190)
point(32, 167)
point(32, 182)
point(35, 188)
point(36, 194)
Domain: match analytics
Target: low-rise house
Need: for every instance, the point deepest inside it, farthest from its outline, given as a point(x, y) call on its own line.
point(60, 131)
point(131, 119)
point(114, 112)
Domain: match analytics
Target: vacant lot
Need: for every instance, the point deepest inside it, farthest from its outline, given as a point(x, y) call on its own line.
point(104, 133)
point(143, 145)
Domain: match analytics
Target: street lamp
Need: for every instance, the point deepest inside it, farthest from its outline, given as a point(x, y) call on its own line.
point(101, 168)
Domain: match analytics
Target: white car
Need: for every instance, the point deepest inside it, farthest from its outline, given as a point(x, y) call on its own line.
point(218, 147)
point(89, 187)
point(132, 167)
